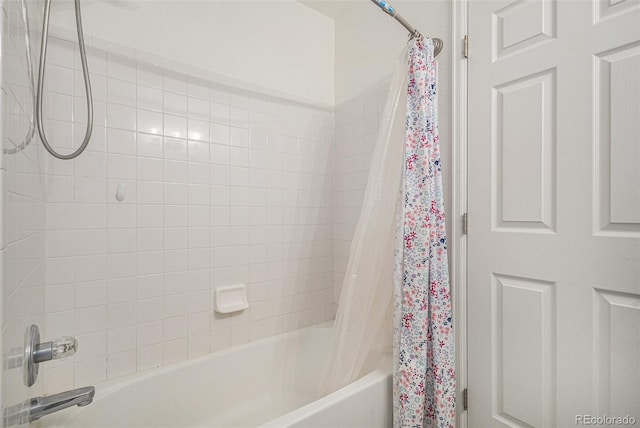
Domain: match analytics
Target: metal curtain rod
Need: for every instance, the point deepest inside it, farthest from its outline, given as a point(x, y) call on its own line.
point(386, 7)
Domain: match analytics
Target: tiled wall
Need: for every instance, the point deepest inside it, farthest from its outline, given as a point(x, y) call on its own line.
point(22, 240)
point(222, 186)
point(357, 122)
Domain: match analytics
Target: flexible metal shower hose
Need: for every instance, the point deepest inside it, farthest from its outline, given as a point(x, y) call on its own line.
point(41, 74)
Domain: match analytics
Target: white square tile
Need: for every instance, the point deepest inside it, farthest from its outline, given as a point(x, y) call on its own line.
point(219, 195)
point(150, 239)
point(198, 108)
point(198, 258)
point(198, 194)
point(150, 262)
point(59, 297)
point(175, 327)
point(121, 117)
point(175, 104)
point(150, 216)
point(121, 314)
point(150, 169)
point(219, 154)
point(175, 171)
point(219, 133)
point(90, 165)
point(239, 156)
point(149, 98)
point(199, 302)
point(149, 357)
point(149, 310)
point(121, 364)
point(219, 112)
point(150, 286)
point(150, 333)
point(150, 122)
point(122, 216)
point(199, 173)
point(121, 290)
point(121, 240)
point(89, 268)
point(175, 216)
point(91, 319)
point(90, 371)
point(238, 176)
point(198, 151)
point(90, 190)
point(149, 145)
point(90, 242)
point(198, 237)
point(121, 92)
point(239, 137)
point(176, 260)
point(59, 243)
point(198, 130)
point(175, 126)
point(198, 216)
point(175, 238)
point(199, 280)
point(198, 345)
point(175, 350)
point(220, 339)
point(240, 334)
point(121, 339)
point(121, 166)
point(150, 192)
point(89, 294)
point(91, 345)
point(176, 193)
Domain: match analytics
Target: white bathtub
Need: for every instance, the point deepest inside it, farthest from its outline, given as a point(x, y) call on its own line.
point(269, 383)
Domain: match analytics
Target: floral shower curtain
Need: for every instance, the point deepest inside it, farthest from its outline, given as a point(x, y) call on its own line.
point(397, 275)
point(424, 376)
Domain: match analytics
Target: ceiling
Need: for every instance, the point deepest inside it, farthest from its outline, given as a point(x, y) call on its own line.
point(330, 8)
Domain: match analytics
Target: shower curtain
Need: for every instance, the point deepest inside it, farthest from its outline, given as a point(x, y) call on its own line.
point(395, 297)
point(424, 377)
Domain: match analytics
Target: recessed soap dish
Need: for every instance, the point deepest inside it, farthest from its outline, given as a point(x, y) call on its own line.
point(230, 298)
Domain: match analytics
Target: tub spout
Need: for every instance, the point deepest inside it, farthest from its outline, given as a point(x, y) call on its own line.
point(35, 408)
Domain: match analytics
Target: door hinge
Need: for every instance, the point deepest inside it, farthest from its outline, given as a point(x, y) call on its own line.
point(466, 46)
point(465, 399)
point(465, 223)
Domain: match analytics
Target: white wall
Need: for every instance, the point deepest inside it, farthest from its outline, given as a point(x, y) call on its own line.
point(281, 45)
point(224, 186)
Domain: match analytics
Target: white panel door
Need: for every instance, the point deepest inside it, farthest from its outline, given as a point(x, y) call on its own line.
point(554, 211)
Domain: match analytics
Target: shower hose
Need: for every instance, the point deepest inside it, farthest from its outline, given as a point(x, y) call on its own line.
point(41, 74)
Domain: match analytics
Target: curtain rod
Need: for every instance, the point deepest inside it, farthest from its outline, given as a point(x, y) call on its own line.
point(387, 8)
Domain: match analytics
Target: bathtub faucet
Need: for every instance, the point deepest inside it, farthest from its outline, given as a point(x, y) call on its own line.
point(35, 408)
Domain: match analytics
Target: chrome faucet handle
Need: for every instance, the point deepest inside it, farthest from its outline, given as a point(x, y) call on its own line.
point(59, 348)
point(36, 352)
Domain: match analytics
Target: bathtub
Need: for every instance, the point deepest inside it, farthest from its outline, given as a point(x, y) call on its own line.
point(269, 383)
